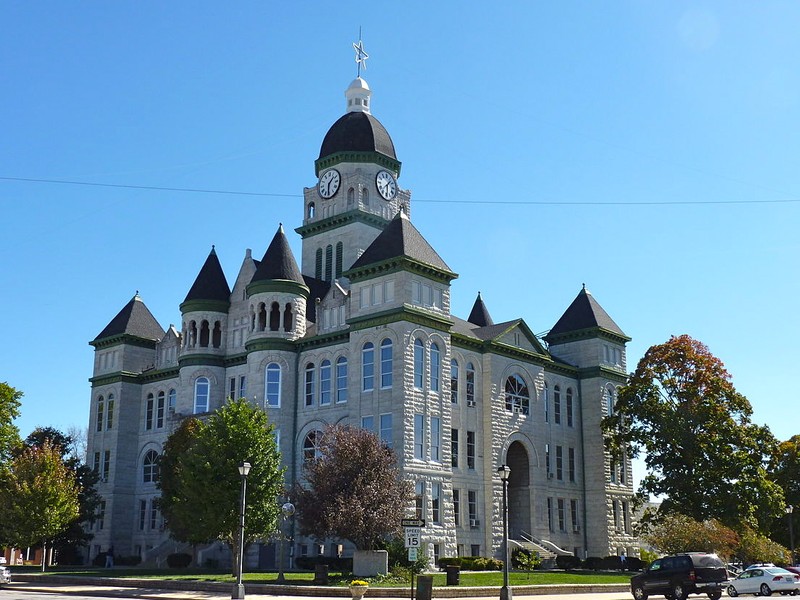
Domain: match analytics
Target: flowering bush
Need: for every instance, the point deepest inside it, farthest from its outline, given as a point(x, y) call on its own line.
point(359, 583)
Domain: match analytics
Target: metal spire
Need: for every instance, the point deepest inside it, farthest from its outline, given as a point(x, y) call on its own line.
point(361, 54)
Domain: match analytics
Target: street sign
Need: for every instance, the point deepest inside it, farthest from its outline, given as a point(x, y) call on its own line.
point(412, 554)
point(412, 537)
point(412, 522)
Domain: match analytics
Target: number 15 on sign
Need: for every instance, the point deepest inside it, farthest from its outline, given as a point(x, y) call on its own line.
point(412, 537)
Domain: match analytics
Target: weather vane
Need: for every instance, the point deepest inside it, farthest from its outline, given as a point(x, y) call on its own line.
point(361, 54)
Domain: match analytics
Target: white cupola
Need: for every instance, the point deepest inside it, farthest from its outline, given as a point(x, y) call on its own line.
point(357, 94)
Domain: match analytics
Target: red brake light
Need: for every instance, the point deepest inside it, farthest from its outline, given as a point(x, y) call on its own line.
point(777, 578)
point(692, 576)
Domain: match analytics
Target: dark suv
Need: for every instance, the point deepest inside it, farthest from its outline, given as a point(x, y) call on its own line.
point(675, 577)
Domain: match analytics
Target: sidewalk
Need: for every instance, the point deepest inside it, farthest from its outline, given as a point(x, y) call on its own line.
point(182, 590)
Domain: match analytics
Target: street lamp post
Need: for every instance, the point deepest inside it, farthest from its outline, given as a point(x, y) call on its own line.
point(238, 588)
point(789, 511)
point(505, 591)
point(287, 510)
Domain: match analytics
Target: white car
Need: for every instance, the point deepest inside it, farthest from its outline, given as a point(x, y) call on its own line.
point(763, 581)
point(5, 574)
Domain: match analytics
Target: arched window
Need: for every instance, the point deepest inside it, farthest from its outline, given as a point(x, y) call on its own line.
point(150, 467)
point(274, 316)
point(110, 411)
point(546, 402)
point(201, 391)
point(160, 411)
point(192, 334)
point(311, 210)
point(217, 335)
point(365, 196)
point(611, 399)
point(288, 317)
point(419, 363)
point(339, 258)
point(172, 398)
point(454, 381)
point(272, 393)
point(351, 196)
point(204, 334)
point(557, 405)
point(329, 263)
point(101, 411)
point(368, 367)
point(148, 412)
point(517, 396)
point(386, 363)
point(325, 382)
point(341, 379)
point(470, 384)
point(262, 316)
point(311, 445)
point(570, 408)
point(318, 264)
point(436, 368)
point(309, 387)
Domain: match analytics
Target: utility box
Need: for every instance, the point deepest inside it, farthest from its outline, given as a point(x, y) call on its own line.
point(453, 574)
point(424, 587)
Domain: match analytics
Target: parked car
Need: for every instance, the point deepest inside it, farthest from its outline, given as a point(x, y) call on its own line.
point(680, 575)
point(762, 581)
point(5, 572)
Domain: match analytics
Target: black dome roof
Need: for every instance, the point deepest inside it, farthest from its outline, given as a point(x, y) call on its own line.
point(357, 132)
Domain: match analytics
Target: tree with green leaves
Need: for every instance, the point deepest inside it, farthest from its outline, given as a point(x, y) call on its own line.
point(355, 490)
point(702, 452)
point(784, 470)
point(679, 533)
point(9, 410)
point(39, 496)
point(68, 543)
point(200, 482)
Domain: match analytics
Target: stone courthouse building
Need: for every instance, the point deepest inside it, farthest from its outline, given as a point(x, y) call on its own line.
point(361, 332)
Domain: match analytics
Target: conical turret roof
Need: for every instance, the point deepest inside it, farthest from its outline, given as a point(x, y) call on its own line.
point(136, 320)
point(480, 314)
point(584, 313)
point(278, 262)
point(209, 287)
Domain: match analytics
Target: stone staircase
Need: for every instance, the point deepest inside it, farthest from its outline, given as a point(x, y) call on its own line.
point(546, 549)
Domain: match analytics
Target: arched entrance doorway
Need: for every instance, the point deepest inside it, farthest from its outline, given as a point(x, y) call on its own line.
point(519, 494)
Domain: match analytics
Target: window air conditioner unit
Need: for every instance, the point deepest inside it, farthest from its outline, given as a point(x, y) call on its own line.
point(470, 402)
point(549, 475)
point(474, 522)
point(516, 409)
point(576, 529)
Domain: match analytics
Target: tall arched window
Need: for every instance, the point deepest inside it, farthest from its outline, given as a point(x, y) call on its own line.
point(436, 368)
point(274, 316)
point(272, 393)
point(611, 399)
point(262, 316)
point(419, 363)
point(318, 264)
point(546, 402)
point(201, 392)
point(110, 411)
point(101, 411)
point(288, 317)
point(557, 405)
point(368, 367)
point(204, 334)
point(325, 382)
point(339, 259)
point(311, 210)
point(160, 411)
point(329, 263)
point(172, 398)
point(470, 384)
point(311, 445)
point(148, 411)
point(216, 336)
point(454, 381)
point(351, 196)
point(341, 379)
point(517, 396)
point(150, 467)
point(386, 363)
point(309, 385)
point(570, 408)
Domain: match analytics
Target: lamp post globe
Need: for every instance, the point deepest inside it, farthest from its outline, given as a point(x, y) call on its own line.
point(505, 592)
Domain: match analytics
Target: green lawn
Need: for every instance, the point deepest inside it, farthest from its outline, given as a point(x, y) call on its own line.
point(468, 579)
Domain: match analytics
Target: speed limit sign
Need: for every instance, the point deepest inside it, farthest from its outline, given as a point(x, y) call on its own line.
point(412, 537)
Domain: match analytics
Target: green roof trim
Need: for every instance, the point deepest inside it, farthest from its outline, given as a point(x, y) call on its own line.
point(326, 339)
point(261, 344)
point(124, 339)
point(586, 334)
point(399, 264)
point(118, 377)
point(201, 360)
point(277, 285)
point(603, 373)
point(401, 313)
point(356, 157)
point(340, 220)
point(204, 306)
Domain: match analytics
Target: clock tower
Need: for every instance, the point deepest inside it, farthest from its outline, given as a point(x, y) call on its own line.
point(356, 195)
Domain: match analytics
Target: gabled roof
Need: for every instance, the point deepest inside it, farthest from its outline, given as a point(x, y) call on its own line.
point(401, 239)
point(210, 283)
point(480, 314)
point(492, 333)
point(135, 320)
point(584, 313)
point(278, 262)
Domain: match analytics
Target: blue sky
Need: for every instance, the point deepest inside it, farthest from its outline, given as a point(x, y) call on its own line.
point(647, 149)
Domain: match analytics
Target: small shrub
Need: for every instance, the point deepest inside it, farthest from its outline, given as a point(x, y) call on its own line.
point(525, 560)
point(568, 562)
point(593, 563)
point(127, 561)
point(634, 564)
point(179, 560)
point(611, 563)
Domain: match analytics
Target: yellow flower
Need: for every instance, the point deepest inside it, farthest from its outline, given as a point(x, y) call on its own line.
point(359, 583)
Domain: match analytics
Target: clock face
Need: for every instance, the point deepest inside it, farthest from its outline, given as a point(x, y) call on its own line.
point(329, 183)
point(387, 186)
